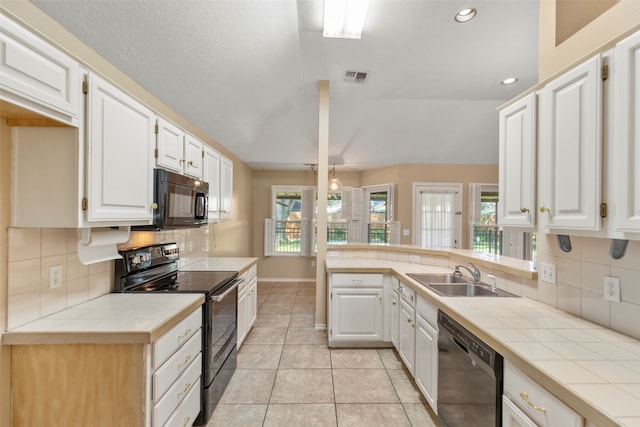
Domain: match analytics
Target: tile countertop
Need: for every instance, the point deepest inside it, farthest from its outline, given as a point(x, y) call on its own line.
point(219, 264)
point(593, 369)
point(110, 319)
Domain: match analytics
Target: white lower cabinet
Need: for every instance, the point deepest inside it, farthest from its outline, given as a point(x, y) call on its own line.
point(176, 373)
point(395, 313)
point(527, 403)
point(356, 308)
point(247, 303)
point(407, 335)
point(426, 363)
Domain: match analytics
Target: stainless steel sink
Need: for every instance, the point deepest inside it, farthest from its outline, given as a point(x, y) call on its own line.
point(454, 285)
point(468, 290)
point(427, 278)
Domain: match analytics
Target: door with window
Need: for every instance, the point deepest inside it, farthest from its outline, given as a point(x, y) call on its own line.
point(437, 213)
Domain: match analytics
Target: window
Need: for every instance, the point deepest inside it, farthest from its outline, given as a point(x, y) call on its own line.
point(484, 228)
point(378, 206)
point(337, 224)
point(289, 231)
point(436, 217)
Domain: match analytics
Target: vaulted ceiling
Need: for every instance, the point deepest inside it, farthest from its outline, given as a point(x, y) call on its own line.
point(246, 72)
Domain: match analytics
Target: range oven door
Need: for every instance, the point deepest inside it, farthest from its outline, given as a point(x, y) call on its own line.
point(219, 344)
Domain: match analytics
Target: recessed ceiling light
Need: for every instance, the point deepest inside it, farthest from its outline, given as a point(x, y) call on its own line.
point(509, 81)
point(466, 15)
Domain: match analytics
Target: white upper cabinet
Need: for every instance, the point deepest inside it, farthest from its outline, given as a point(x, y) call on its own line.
point(178, 151)
point(170, 146)
point(518, 163)
point(570, 160)
point(226, 188)
point(120, 142)
point(37, 76)
point(193, 156)
point(626, 134)
point(211, 164)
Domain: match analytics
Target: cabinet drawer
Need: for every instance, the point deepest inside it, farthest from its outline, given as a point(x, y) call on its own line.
point(176, 365)
point(407, 293)
point(187, 382)
point(178, 335)
point(551, 411)
point(253, 271)
point(428, 311)
point(188, 409)
point(365, 279)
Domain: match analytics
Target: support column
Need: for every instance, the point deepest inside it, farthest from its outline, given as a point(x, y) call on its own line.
point(323, 176)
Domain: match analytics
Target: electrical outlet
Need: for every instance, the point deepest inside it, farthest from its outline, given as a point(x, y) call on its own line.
point(55, 276)
point(612, 288)
point(333, 254)
point(405, 232)
point(548, 273)
point(414, 258)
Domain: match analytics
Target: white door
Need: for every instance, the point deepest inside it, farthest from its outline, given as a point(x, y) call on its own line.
point(626, 133)
point(571, 149)
point(517, 172)
point(356, 314)
point(170, 146)
point(406, 336)
point(426, 363)
point(120, 158)
point(437, 215)
point(242, 315)
point(395, 312)
point(252, 303)
point(211, 174)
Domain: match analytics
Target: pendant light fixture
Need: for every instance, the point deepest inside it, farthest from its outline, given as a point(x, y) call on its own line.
point(334, 183)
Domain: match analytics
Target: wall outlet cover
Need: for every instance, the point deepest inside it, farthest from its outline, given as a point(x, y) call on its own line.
point(55, 276)
point(333, 254)
point(548, 273)
point(414, 258)
point(612, 288)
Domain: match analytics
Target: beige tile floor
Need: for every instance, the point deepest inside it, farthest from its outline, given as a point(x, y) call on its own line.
point(287, 376)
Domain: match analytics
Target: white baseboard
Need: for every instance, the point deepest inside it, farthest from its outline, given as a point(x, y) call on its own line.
point(321, 326)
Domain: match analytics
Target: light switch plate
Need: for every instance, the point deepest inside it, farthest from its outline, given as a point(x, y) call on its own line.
point(548, 273)
point(405, 232)
point(612, 288)
point(333, 254)
point(414, 258)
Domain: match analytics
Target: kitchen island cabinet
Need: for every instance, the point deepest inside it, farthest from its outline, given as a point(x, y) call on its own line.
point(119, 360)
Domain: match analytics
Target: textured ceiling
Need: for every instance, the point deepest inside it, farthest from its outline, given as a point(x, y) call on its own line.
point(246, 72)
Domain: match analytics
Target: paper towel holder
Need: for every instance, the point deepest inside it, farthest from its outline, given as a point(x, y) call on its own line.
point(97, 245)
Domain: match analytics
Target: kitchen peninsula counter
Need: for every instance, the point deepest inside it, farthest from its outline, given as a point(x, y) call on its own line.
point(117, 318)
point(593, 369)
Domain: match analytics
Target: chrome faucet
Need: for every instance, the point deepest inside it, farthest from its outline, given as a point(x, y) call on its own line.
point(475, 273)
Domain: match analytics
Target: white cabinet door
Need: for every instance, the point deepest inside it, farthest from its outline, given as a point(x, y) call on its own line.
point(517, 172)
point(170, 146)
point(407, 336)
point(252, 303)
point(356, 314)
point(426, 363)
point(211, 174)
point(119, 156)
point(242, 315)
point(226, 188)
point(395, 313)
point(193, 157)
point(626, 133)
point(571, 149)
point(36, 76)
point(512, 416)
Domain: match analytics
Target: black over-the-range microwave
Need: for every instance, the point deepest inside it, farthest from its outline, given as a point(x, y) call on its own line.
point(179, 201)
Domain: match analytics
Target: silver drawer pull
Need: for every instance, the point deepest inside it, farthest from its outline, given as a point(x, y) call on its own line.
point(186, 359)
point(357, 281)
point(186, 388)
point(186, 333)
point(186, 421)
point(525, 397)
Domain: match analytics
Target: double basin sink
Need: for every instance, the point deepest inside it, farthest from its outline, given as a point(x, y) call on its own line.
point(455, 285)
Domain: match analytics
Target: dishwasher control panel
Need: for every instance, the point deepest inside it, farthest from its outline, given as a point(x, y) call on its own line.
point(464, 338)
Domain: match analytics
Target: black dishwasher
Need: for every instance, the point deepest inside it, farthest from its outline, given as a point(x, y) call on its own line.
point(469, 378)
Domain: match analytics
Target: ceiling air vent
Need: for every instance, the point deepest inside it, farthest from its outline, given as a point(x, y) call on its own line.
point(355, 76)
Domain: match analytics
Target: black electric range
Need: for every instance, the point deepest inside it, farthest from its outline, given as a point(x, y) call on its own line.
point(154, 268)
